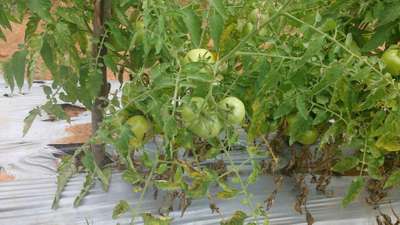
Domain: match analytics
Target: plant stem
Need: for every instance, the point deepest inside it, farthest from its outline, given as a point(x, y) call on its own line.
point(102, 11)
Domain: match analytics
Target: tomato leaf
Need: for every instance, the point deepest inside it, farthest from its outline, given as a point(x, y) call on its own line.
point(346, 164)
point(216, 24)
point(237, 219)
point(382, 34)
point(9, 75)
point(121, 208)
point(149, 219)
point(41, 8)
point(393, 179)
point(354, 190)
point(193, 24)
point(18, 64)
point(87, 185)
point(301, 105)
point(29, 120)
point(219, 6)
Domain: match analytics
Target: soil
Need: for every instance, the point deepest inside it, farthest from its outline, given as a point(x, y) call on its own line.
point(77, 134)
point(73, 110)
point(4, 177)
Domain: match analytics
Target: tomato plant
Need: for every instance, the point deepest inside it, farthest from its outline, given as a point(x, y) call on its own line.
point(305, 74)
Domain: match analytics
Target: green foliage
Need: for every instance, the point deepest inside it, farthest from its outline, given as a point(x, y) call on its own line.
point(237, 219)
point(149, 219)
point(301, 68)
point(354, 190)
point(121, 208)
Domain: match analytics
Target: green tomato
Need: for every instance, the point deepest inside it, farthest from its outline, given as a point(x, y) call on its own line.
point(308, 137)
point(199, 55)
point(391, 58)
point(206, 126)
point(233, 110)
point(257, 16)
point(199, 120)
point(141, 129)
point(191, 111)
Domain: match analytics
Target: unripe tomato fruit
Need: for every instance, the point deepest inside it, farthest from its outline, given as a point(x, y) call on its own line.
point(391, 58)
point(190, 111)
point(141, 129)
point(206, 127)
point(198, 119)
point(199, 55)
point(233, 110)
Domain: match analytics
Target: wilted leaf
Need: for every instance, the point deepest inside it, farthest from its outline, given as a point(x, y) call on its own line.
point(237, 219)
point(149, 219)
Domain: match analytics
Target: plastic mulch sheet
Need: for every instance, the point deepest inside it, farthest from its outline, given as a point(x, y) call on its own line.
point(27, 199)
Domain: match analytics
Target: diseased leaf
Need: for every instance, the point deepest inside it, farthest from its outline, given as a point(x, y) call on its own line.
point(166, 185)
point(132, 177)
point(393, 179)
point(237, 219)
point(354, 190)
point(121, 208)
point(149, 219)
